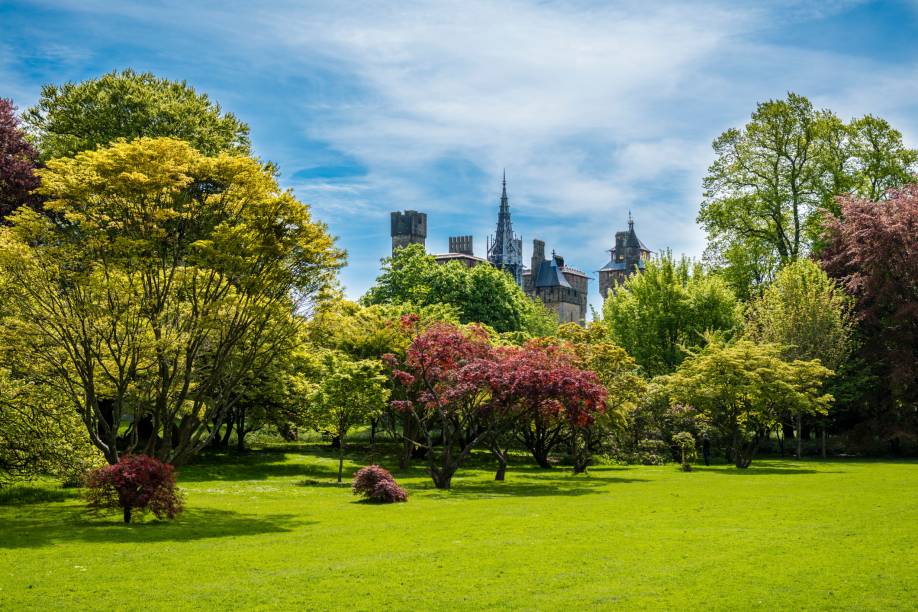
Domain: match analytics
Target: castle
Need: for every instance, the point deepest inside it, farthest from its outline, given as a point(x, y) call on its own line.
point(561, 288)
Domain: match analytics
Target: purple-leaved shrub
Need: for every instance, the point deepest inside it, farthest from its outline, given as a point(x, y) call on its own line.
point(377, 484)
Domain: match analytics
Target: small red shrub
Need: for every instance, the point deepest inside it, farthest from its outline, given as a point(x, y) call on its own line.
point(378, 484)
point(136, 482)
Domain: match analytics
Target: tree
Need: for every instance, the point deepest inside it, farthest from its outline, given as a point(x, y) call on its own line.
point(743, 387)
point(77, 117)
point(348, 393)
point(872, 249)
point(441, 390)
point(17, 163)
point(618, 373)
point(171, 278)
point(539, 390)
point(808, 315)
point(136, 482)
point(771, 180)
point(686, 443)
point(40, 435)
point(482, 294)
point(377, 484)
point(658, 314)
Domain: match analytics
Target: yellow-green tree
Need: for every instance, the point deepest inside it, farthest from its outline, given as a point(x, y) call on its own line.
point(164, 280)
point(808, 315)
point(744, 387)
point(347, 393)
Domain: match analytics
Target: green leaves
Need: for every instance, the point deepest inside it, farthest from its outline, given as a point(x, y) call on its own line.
point(77, 117)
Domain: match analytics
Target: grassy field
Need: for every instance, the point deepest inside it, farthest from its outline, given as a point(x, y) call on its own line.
point(270, 529)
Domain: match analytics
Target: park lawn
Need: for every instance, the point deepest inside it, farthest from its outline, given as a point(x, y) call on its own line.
point(271, 529)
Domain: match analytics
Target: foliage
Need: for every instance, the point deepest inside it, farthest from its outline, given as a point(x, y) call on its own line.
point(17, 162)
point(347, 393)
point(172, 277)
point(135, 483)
point(743, 387)
point(658, 315)
point(482, 294)
point(873, 251)
point(686, 443)
point(441, 392)
point(39, 435)
point(76, 117)
point(550, 399)
point(378, 484)
point(772, 179)
point(808, 315)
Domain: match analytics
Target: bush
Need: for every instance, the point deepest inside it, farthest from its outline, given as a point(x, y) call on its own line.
point(136, 482)
point(377, 484)
point(652, 452)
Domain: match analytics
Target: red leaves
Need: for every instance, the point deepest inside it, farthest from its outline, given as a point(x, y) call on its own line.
point(17, 162)
point(445, 366)
point(136, 482)
point(377, 484)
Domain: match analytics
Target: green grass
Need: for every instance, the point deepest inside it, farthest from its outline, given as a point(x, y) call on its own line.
point(271, 529)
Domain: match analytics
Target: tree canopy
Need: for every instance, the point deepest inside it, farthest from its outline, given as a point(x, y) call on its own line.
point(771, 180)
point(171, 275)
point(17, 162)
point(77, 117)
point(482, 294)
point(656, 315)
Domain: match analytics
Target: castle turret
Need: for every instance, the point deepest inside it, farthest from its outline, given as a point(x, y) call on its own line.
point(461, 244)
point(408, 227)
point(628, 256)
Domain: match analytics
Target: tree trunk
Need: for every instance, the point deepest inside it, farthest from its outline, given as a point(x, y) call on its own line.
point(822, 442)
point(340, 459)
point(127, 514)
point(799, 436)
point(443, 479)
point(501, 463)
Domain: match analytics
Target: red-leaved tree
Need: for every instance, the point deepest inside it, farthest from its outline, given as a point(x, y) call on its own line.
point(555, 401)
point(136, 482)
point(17, 162)
point(873, 251)
point(440, 390)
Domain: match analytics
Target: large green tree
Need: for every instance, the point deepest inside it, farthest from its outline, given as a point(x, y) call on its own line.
point(81, 116)
point(808, 315)
point(482, 294)
point(166, 279)
point(744, 387)
point(659, 314)
point(771, 180)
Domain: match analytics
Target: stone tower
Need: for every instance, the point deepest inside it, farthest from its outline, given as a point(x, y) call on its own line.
point(629, 255)
point(505, 249)
point(408, 227)
point(562, 288)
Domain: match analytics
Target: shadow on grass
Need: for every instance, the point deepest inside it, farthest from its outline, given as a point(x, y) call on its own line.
point(27, 494)
point(39, 526)
point(764, 468)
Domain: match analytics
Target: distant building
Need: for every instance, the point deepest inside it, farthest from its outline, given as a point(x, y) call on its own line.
point(563, 289)
point(629, 255)
point(408, 227)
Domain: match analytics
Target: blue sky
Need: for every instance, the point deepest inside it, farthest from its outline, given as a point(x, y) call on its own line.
point(594, 109)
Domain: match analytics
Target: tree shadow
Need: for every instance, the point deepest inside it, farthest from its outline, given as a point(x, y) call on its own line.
point(764, 468)
point(18, 495)
point(536, 482)
point(37, 526)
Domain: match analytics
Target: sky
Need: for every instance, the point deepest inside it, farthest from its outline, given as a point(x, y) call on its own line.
point(594, 109)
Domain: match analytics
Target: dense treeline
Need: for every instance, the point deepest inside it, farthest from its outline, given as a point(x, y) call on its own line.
point(161, 294)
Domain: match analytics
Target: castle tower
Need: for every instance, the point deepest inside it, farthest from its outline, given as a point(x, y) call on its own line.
point(505, 249)
point(628, 256)
point(408, 227)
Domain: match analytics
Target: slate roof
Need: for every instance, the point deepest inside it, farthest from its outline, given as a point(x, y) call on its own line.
point(550, 275)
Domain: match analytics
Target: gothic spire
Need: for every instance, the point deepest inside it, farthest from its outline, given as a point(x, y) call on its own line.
point(505, 250)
